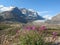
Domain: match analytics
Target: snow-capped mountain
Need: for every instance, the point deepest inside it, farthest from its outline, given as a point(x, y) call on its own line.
point(19, 15)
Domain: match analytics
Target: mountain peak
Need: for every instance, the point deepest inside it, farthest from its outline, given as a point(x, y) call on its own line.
point(20, 15)
point(15, 8)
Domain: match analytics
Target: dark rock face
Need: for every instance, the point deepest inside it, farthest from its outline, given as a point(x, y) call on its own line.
point(19, 15)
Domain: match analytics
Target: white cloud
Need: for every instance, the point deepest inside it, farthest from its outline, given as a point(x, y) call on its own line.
point(3, 8)
point(42, 12)
point(45, 14)
point(47, 17)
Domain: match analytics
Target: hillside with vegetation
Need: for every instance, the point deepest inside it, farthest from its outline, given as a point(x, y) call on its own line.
point(29, 34)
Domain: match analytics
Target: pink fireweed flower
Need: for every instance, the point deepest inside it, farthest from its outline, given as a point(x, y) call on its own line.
point(42, 28)
point(17, 31)
point(28, 28)
point(33, 28)
point(54, 34)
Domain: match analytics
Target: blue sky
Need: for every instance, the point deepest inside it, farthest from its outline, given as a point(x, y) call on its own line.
point(46, 8)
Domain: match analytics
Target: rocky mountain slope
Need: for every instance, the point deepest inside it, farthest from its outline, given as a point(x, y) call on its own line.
point(54, 20)
point(19, 15)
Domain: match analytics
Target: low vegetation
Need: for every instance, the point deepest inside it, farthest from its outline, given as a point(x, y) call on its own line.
point(27, 35)
point(4, 26)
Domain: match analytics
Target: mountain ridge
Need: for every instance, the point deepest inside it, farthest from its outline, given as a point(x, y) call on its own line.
point(19, 15)
point(55, 19)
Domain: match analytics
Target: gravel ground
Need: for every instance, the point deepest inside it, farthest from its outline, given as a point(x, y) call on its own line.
point(56, 42)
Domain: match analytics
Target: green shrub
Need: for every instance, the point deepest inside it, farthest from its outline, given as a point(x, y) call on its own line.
point(2, 27)
point(31, 38)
